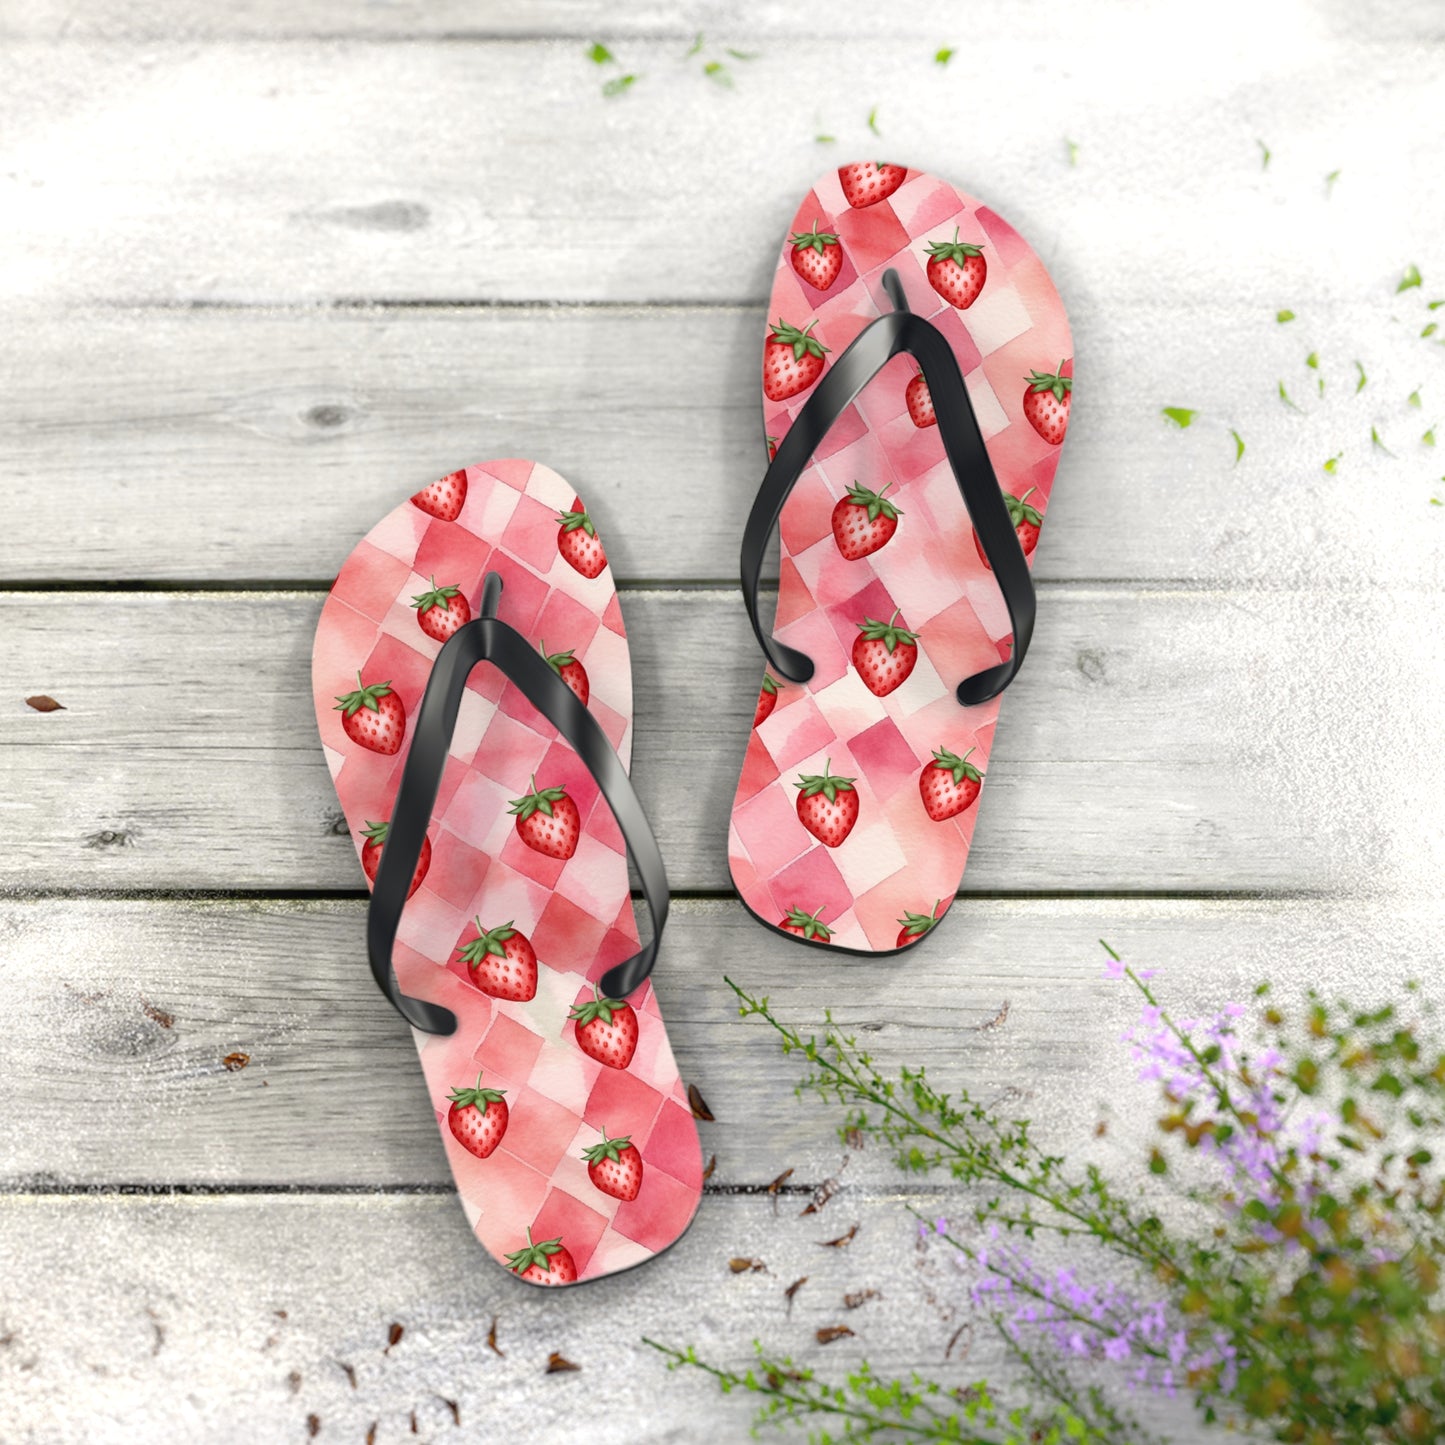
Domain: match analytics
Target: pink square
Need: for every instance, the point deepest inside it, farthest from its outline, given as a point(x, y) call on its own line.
point(531, 535)
point(883, 753)
point(660, 1213)
point(759, 770)
point(510, 751)
point(795, 600)
point(672, 1145)
point(872, 235)
point(508, 1052)
point(621, 1103)
point(811, 882)
point(568, 1219)
point(370, 581)
point(477, 809)
point(816, 638)
point(566, 937)
point(524, 594)
point(767, 827)
point(794, 733)
point(539, 1131)
point(849, 428)
point(539, 867)
point(847, 616)
point(457, 869)
point(807, 514)
point(455, 557)
point(509, 1190)
point(564, 624)
point(513, 471)
point(1009, 245)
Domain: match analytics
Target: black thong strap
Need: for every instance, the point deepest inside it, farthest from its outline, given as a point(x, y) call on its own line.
point(487, 639)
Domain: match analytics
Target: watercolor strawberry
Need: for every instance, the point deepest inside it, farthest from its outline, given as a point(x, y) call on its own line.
point(792, 360)
point(865, 183)
point(477, 1118)
point(767, 700)
point(949, 784)
point(1026, 519)
point(375, 835)
point(772, 448)
point(502, 963)
point(441, 611)
point(817, 257)
point(606, 1030)
point(920, 402)
point(806, 925)
point(547, 1262)
point(373, 716)
point(615, 1167)
point(578, 542)
point(566, 666)
point(863, 521)
point(548, 821)
point(915, 925)
point(827, 806)
point(1046, 403)
point(957, 271)
point(884, 654)
point(444, 499)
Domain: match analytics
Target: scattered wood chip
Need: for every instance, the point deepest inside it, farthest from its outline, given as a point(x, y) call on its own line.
point(492, 1344)
point(560, 1364)
point(739, 1265)
point(158, 1330)
point(700, 1109)
point(157, 1015)
point(777, 1184)
point(453, 1407)
point(313, 1425)
point(414, 1430)
point(371, 1432)
point(708, 1172)
point(996, 1022)
point(349, 1371)
point(393, 1337)
point(854, 1137)
point(294, 1380)
point(281, 1314)
point(966, 1328)
point(829, 1333)
point(825, 1191)
point(1100, 1129)
point(792, 1289)
point(41, 703)
point(841, 1241)
point(859, 1297)
point(234, 1063)
point(776, 1377)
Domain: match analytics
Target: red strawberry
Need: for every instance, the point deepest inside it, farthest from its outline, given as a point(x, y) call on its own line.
point(566, 666)
point(863, 521)
point(444, 499)
point(817, 257)
point(615, 1167)
point(578, 542)
point(548, 821)
point(1046, 403)
point(772, 448)
point(948, 784)
point(865, 183)
point(1026, 519)
point(375, 835)
point(546, 1262)
point(957, 270)
point(767, 700)
point(441, 611)
point(373, 716)
point(502, 962)
point(827, 806)
point(806, 925)
point(920, 402)
point(478, 1118)
point(915, 925)
point(884, 654)
point(606, 1030)
point(792, 360)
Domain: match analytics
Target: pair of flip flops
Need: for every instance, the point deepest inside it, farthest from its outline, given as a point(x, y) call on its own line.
point(914, 403)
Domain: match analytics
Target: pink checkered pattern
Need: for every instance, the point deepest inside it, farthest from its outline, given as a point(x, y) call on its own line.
point(897, 859)
point(576, 914)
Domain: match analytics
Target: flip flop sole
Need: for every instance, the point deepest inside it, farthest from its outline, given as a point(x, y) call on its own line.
point(513, 919)
point(878, 868)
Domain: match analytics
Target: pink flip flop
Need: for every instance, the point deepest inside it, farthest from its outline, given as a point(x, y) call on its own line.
point(917, 378)
point(493, 815)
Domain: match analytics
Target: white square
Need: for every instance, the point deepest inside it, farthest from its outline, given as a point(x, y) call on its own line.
point(870, 855)
point(996, 318)
point(992, 418)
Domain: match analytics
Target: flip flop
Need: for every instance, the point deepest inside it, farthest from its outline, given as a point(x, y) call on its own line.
point(493, 815)
point(917, 380)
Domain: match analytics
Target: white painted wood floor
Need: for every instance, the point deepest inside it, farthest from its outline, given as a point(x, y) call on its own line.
point(266, 267)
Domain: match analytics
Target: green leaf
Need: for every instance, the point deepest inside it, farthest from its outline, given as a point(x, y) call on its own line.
point(1072, 147)
point(1410, 278)
point(1264, 154)
point(1283, 316)
point(1284, 396)
point(618, 85)
point(943, 55)
point(873, 121)
point(1414, 398)
point(1430, 330)
point(717, 71)
point(1377, 440)
point(1360, 384)
point(694, 47)
point(1238, 445)
point(825, 140)
point(1181, 416)
point(1330, 183)
point(1332, 466)
point(1313, 361)
point(600, 54)
point(744, 54)
point(1428, 439)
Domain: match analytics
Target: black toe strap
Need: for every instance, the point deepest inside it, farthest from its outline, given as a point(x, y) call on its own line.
point(877, 344)
point(489, 640)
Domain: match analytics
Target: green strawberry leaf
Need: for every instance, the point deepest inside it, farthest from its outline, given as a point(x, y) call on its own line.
point(877, 504)
point(770, 685)
point(1040, 381)
point(814, 783)
point(571, 521)
point(917, 924)
point(476, 1097)
point(814, 239)
point(609, 1149)
point(376, 832)
point(437, 597)
point(519, 1261)
point(487, 941)
point(369, 697)
point(595, 1008)
point(955, 250)
point(539, 800)
point(888, 633)
point(802, 342)
point(558, 660)
point(810, 924)
point(1019, 510)
point(961, 768)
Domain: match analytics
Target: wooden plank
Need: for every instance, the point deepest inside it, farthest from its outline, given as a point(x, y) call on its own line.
point(120, 1013)
point(173, 171)
point(221, 445)
point(1157, 740)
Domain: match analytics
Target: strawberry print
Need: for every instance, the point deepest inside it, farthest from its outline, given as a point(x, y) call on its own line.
point(477, 1118)
point(772, 448)
point(806, 925)
point(444, 499)
point(915, 925)
point(884, 654)
point(827, 806)
point(615, 1167)
point(548, 821)
point(606, 1030)
point(949, 785)
point(441, 611)
point(1026, 519)
point(545, 1263)
point(566, 666)
point(375, 835)
point(578, 542)
point(373, 716)
point(920, 402)
point(1046, 403)
point(767, 700)
point(502, 963)
point(792, 360)
point(817, 257)
point(865, 183)
point(957, 271)
point(863, 521)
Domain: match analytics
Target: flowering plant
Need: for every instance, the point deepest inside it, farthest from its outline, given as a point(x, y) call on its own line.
point(1294, 1292)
